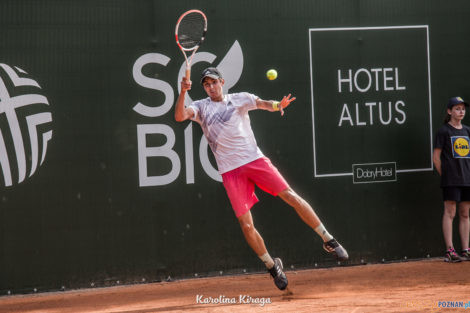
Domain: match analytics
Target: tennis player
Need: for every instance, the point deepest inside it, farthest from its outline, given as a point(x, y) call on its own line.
point(226, 124)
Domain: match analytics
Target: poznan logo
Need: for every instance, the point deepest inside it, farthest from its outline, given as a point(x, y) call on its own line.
point(25, 125)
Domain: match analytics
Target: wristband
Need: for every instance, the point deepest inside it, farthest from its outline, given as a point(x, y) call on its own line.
point(276, 105)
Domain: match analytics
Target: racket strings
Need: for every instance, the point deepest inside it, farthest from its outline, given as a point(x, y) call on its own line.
point(191, 30)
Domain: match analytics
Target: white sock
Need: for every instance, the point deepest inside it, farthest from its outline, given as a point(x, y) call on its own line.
point(267, 260)
point(324, 234)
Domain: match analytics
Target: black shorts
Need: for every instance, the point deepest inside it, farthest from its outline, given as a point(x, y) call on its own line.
point(456, 193)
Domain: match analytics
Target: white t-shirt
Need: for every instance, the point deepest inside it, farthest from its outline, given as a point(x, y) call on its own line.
point(226, 125)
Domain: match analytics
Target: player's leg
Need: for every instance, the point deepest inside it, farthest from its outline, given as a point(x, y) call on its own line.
point(447, 220)
point(240, 191)
point(308, 215)
point(267, 177)
point(253, 238)
point(464, 229)
point(256, 242)
point(303, 209)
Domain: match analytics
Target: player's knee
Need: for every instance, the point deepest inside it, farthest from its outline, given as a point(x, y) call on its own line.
point(247, 227)
point(246, 223)
point(287, 195)
point(291, 197)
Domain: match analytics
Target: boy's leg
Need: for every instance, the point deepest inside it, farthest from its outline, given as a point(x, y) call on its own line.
point(303, 209)
point(267, 177)
point(256, 242)
point(308, 215)
point(254, 239)
point(240, 190)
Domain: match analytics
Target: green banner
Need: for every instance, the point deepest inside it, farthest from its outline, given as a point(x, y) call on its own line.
point(101, 186)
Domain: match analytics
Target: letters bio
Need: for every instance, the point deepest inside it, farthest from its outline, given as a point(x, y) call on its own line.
point(166, 150)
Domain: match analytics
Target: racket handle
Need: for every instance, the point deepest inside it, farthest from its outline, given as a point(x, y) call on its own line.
point(188, 73)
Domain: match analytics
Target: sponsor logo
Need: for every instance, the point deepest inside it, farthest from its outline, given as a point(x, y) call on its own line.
point(374, 172)
point(460, 146)
point(231, 66)
point(25, 125)
point(369, 91)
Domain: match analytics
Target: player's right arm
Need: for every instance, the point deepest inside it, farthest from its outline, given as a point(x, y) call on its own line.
point(183, 113)
point(436, 158)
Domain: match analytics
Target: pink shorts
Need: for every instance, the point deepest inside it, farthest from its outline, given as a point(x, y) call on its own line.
point(240, 183)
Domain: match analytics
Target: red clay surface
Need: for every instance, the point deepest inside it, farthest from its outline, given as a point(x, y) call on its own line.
point(416, 286)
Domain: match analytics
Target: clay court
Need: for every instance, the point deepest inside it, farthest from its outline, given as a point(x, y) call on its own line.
point(414, 286)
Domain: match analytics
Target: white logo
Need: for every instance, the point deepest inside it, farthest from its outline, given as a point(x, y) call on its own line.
point(22, 134)
point(231, 67)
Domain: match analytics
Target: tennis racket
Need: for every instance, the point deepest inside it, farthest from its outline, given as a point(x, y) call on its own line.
point(190, 31)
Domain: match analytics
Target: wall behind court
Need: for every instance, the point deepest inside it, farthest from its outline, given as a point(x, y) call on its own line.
point(101, 186)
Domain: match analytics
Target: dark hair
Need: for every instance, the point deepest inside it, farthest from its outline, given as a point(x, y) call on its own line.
point(447, 118)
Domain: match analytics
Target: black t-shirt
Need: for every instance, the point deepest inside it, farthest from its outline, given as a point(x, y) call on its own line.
point(455, 156)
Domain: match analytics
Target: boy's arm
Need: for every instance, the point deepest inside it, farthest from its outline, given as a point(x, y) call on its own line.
point(271, 105)
point(181, 112)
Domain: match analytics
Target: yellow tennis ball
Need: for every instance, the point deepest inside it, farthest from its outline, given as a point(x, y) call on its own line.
point(271, 74)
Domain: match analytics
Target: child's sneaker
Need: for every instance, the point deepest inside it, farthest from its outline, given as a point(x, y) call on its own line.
point(465, 255)
point(452, 256)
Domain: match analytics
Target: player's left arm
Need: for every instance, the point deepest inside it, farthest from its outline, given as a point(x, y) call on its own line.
point(272, 105)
